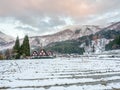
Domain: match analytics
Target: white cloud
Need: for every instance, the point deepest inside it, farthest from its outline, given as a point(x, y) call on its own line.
point(38, 17)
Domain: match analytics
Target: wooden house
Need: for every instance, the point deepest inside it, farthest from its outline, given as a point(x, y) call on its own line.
point(35, 53)
point(43, 53)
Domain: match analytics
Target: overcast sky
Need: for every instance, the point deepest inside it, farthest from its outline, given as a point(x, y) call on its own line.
point(39, 17)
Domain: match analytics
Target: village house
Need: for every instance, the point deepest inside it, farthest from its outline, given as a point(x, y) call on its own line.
point(42, 53)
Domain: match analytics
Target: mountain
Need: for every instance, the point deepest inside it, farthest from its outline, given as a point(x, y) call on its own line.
point(110, 32)
point(6, 41)
point(5, 38)
point(113, 26)
point(96, 40)
point(68, 33)
point(76, 34)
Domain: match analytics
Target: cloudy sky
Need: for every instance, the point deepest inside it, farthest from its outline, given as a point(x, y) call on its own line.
point(39, 17)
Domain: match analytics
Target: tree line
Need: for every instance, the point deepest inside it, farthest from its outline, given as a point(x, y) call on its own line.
point(115, 44)
point(18, 51)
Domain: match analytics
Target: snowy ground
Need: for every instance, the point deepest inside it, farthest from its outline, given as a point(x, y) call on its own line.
point(60, 74)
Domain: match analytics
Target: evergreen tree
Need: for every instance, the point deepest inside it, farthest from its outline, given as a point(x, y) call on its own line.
point(25, 47)
point(115, 44)
point(16, 48)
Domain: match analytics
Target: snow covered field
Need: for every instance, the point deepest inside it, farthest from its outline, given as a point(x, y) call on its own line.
point(60, 74)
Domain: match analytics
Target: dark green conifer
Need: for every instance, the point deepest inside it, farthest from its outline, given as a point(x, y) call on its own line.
point(25, 47)
point(16, 48)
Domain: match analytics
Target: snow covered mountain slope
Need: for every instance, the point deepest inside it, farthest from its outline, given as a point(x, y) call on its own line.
point(5, 38)
point(90, 43)
point(68, 33)
point(114, 26)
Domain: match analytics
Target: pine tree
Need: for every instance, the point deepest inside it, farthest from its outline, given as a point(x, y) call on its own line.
point(16, 48)
point(115, 44)
point(25, 47)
